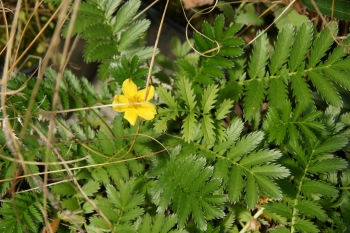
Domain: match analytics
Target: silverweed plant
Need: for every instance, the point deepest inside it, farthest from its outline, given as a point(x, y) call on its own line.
point(232, 135)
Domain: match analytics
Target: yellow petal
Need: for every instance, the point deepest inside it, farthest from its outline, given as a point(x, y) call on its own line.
point(147, 111)
point(123, 101)
point(129, 88)
point(131, 115)
point(150, 94)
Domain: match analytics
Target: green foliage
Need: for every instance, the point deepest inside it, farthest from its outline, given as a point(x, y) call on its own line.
point(279, 124)
point(21, 214)
point(197, 199)
point(337, 9)
point(192, 111)
point(311, 156)
point(244, 159)
point(109, 36)
point(203, 165)
point(160, 224)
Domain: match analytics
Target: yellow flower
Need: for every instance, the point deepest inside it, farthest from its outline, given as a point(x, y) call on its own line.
point(133, 102)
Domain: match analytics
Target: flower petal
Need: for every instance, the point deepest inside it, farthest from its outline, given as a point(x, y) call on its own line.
point(129, 88)
point(123, 101)
point(131, 115)
point(147, 111)
point(150, 94)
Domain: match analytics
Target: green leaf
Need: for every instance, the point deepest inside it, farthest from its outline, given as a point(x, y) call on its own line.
point(325, 88)
point(319, 187)
point(198, 214)
point(213, 71)
point(103, 70)
point(99, 51)
point(160, 223)
point(105, 92)
point(230, 51)
point(279, 208)
point(178, 49)
point(63, 189)
point(322, 44)
point(258, 59)
point(327, 165)
point(21, 213)
point(187, 67)
point(88, 15)
point(208, 129)
point(312, 209)
point(126, 12)
point(345, 118)
point(34, 213)
point(133, 33)
point(7, 171)
point(228, 11)
point(73, 81)
point(332, 144)
point(270, 170)
point(220, 62)
point(259, 157)
point(90, 188)
point(28, 222)
point(287, 15)
point(97, 32)
point(277, 92)
point(305, 226)
point(210, 187)
point(180, 172)
point(70, 204)
point(166, 97)
point(268, 187)
point(161, 124)
point(110, 6)
point(187, 93)
point(231, 31)
point(168, 224)
point(338, 52)
point(254, 96)
point(99, 223)
point(105, 143)
point(218, 26)
point(274, 126)
point(88, 88)
point(340, 77)
point(144, 53)
point(224, 108)
point(208, 98)
point(311, 116)
point(301, 45)
point(338, 9)
point(235, 183)
point(251, 191)
point(213, 211)
point(232, 42)
point(247, 144)
point(200, 43)
point(145, 225)
point(207, 30)
point(232, 134)
point(100, 175)
point(282, 49)
point(301, 91)
point(309, 135)
point(234, 130)
point(188, 127)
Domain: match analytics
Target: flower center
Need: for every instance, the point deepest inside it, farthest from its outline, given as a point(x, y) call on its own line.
point(134, 101)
